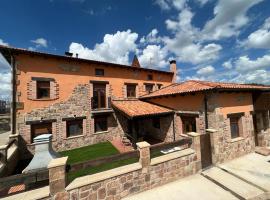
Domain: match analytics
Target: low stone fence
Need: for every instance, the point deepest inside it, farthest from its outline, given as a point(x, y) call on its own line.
point(122, 181)
point(126, 180)
point(9, 156)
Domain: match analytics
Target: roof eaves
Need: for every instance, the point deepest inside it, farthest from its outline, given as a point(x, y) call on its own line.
point(25, 51)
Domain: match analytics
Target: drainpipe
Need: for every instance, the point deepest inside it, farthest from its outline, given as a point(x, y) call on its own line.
point(205, 112)
point(173, 128)
point(13, 103)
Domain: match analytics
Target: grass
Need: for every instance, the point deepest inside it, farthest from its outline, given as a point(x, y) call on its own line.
point(90, 152)
point(100, 168)
point(93, 152)
point(156, 153)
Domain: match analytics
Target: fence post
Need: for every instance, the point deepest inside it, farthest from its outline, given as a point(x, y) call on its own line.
point(58, 177)
point(196, 145)
point(144, 149)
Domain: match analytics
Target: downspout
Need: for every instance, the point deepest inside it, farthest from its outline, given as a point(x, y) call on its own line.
point(173, 128)
point(205, 112)
point(13, 81)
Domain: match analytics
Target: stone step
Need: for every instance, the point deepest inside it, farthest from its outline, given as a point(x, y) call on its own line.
point(263, 151)
point(235, 185)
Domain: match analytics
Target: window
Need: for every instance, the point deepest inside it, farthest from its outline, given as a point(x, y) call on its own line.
point(131, 91)
point(43, 89)
point(100, 124)
point(189, 124)
point(156, 123)
point(149, 77)
point(99, 96)
point(99, 72)
point(39, 129)
point(74, 127)
point(148, 88)
point(234, 124)
point(159, 86)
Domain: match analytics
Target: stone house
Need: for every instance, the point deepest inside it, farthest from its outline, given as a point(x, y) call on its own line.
point(82, 102)
point(225, 115)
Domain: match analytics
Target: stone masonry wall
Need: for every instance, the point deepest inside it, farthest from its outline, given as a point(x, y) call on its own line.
point(137, 181)
point(78, 104)
point(223, 147)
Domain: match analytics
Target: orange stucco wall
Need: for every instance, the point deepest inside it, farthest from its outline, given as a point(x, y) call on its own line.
point(234, 103)
point(225, 103)
point(37, 66)
point(185, 103)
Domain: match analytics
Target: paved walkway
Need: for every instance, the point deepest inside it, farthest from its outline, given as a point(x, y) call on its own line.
point(247, 177)
point(191, 188)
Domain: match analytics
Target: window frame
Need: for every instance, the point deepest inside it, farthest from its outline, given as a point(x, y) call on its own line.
point(147, 85)
point(40, 87)
point(236, 119)
point(74, 122)
point(189, 120)
point(100, 118)
point(43, 126)
point(99, 70)
point(133, 86)
point(149, 77)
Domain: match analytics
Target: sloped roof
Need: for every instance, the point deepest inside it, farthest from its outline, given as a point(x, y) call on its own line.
point(8, 49)
point(196, 86)
point(137, 108)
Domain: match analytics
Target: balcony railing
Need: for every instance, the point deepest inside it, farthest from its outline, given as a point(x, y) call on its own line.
point(96, 105)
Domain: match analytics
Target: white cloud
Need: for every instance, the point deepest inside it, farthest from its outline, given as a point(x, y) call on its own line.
point(151, 37)
point(169, 4)
point(230, 16)
point(114, 48)
point(260, 38)
point(185, 42)
point(5, 80)
point(153, 56)
point(3, 43)
point(227, 64)
point(40, 42)
point(245, 64)
point(256, 76)
point(205, 71)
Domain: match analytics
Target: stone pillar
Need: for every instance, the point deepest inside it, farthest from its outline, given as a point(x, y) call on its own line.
point(196, 144)
point(144, 149)
point(214, 143)
point(57, 176)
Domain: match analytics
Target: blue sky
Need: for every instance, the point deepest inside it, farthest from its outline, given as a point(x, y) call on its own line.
point(216, 40)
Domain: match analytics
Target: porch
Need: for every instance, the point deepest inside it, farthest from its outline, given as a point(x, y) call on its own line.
point(145, 121)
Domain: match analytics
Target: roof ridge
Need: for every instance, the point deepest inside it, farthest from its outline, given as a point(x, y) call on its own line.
point(23, 50)
point(160, 89)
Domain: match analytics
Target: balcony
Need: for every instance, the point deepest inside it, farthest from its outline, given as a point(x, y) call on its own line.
point(101, 105)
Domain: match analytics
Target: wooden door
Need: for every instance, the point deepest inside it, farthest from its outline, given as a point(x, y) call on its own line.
point(206, 154)
point(99, 96)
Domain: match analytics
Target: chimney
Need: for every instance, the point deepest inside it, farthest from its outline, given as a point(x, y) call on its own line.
point(173, 68)
point(135, 62)
point(68, 54)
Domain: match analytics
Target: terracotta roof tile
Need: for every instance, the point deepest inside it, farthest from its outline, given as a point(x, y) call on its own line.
point(137, 108)
point(196, 86)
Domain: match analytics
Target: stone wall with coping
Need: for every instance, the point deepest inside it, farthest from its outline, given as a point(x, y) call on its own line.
point(127, 180)
point(78, 104)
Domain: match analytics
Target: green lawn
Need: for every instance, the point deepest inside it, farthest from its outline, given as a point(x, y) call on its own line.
point(100, 168)
point(93, 152)
point(90, 152)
